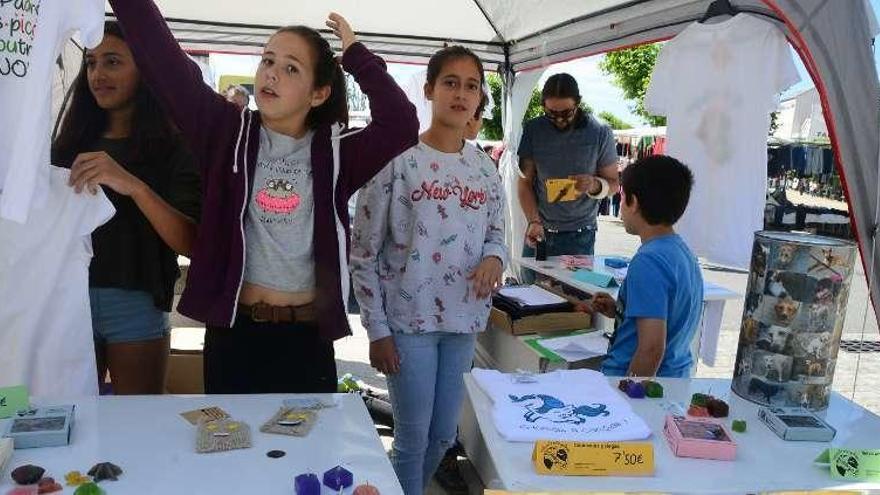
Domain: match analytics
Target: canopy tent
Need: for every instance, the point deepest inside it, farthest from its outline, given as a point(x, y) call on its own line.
point(521, 37)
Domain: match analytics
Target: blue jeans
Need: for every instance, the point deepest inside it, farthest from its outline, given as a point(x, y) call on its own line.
point(426, 397)
point(122, 316)
point(559, 243)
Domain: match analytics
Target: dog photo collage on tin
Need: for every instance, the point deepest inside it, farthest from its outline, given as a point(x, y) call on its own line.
point(792, 323)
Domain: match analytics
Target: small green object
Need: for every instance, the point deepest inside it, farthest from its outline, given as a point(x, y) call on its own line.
point(653, 389)
point(699, 400)
point(348, 384)
point(739, 425)
point(89, 489)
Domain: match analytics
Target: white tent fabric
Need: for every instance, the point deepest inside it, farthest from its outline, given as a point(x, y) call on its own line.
point(516, 96)
point(833, 37)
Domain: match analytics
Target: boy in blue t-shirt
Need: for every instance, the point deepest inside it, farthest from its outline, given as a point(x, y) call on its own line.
point(659, 304)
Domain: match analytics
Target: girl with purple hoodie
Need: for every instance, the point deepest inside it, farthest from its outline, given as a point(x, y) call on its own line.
point(269, 273)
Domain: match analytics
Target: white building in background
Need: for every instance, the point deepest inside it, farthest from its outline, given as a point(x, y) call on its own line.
point(800, 117)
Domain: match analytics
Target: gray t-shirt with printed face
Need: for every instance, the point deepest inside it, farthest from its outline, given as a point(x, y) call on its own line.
point(584, 148)
point(279, 223)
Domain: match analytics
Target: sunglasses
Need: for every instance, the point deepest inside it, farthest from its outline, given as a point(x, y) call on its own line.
point(560, 114)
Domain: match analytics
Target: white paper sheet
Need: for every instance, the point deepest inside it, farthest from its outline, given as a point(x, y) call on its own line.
point(531, 295)
point(577, 347)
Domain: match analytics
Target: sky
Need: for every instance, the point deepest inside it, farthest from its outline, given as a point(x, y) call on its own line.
point(596, 88)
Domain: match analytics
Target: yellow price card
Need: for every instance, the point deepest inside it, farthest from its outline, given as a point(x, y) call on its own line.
point(561, 190)
point(594, 459)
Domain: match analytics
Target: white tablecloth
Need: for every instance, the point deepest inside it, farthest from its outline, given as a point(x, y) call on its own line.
point(155, 447)
point(764, 462)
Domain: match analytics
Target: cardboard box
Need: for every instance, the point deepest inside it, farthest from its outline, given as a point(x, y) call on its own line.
point(185, 373)
point(41, 427)
point(701, 438)
point(547, 322)
point(560, 458)
point(796, 424)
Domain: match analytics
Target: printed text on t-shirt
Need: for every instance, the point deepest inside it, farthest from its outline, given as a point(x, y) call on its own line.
point(18, 26)
point(468, 198)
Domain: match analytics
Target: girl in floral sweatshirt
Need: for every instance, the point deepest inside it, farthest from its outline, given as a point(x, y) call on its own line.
point(427, 252)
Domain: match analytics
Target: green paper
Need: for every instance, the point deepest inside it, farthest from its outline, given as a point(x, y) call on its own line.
point(12, 400)
point(851, 464)
point(599, 279)
point(542, 351)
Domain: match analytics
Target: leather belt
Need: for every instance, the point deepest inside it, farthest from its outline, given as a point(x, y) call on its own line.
point(267, 313)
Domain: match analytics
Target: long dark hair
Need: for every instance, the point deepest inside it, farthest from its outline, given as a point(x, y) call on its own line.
point(327, 72)
point(153, 134)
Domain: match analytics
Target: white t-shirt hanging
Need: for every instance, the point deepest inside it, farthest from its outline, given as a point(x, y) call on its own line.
point(577, 405)
point(717, 85)
point(45, 317)
point(32, 34)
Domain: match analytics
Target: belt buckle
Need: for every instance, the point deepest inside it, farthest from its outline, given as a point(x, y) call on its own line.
point(256, 307)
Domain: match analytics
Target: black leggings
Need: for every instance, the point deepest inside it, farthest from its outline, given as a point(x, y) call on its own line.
point(265, 358)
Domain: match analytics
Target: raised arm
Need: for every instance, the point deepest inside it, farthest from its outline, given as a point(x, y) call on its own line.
point(394, 127)
point(171, 75)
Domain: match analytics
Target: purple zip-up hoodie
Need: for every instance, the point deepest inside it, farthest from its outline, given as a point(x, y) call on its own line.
point(225, 142)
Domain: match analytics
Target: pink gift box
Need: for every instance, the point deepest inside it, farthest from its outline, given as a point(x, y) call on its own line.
point(701, 438)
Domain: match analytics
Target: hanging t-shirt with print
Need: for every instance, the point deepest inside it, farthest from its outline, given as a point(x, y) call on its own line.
point(577, 405)
point(32, 34)
point(717, 84)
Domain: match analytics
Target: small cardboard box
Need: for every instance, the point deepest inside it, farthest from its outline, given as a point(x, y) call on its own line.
point(701, 438)
point(559, 458)
point(41, 427)
point(796, 424)
point(547, 322)
point(185, 373)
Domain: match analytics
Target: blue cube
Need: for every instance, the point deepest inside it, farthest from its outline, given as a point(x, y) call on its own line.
point(338, 478)
point(307, 484)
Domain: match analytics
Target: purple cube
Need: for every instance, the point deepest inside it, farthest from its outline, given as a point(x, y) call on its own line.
point(338, 478)
point(636, 391)
point(307, 484)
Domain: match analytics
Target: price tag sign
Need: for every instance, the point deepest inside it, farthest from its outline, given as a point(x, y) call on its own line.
point(12, 400)
point(852, 464)
point(594, 458)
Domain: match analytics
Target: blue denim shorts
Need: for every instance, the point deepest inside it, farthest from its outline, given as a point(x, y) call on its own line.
point(120, 316)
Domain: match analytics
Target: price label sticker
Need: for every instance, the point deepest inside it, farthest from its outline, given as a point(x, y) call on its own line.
point(851, 464)
point(594, 458)
point(12, 400)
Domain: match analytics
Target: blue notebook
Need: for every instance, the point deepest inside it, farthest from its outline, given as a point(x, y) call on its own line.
point(598, 279)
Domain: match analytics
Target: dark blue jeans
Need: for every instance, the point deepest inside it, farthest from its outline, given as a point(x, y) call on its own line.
point(559, 243)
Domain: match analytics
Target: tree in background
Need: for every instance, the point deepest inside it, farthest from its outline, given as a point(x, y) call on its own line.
point(631, 72)
point(613, 121)
point(493, 129)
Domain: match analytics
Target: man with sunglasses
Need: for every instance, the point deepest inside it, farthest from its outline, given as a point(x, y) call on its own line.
point(569, 163)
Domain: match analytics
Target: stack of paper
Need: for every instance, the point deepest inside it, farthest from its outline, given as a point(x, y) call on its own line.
point(531, 296)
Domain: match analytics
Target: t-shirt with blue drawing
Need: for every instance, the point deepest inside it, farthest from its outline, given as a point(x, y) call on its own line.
point(663, 282)
point(575, 405)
